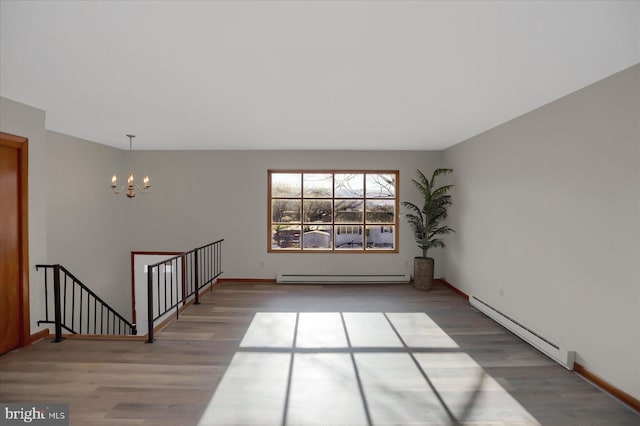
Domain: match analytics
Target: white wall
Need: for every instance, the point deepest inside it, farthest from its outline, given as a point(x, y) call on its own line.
point(87, 225)
point(547, 207)
point(200, 196)
point(22, 120)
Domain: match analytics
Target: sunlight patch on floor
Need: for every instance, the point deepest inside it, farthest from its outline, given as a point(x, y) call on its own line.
point(324, 390)
point(270, 330)
point(252, 391)
point(370, 329)
point(330, 368)
point(320, 330)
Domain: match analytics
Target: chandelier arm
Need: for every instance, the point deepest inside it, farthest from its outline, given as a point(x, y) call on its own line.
point(142, 190)
point(119, 190)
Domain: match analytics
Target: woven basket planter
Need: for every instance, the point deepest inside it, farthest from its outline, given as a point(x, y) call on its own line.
point(423, 273)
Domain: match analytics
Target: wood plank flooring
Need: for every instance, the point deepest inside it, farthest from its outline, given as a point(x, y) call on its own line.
point(172, 381)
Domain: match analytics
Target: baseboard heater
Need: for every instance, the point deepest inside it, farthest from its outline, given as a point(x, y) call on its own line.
point(342, 278)
point(553, 350)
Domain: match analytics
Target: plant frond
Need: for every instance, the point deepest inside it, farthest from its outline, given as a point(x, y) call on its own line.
point(443, 230)
point(436, 243)
point(423, 179)
point(410, 206)
point(442, 191)
point(438, 172)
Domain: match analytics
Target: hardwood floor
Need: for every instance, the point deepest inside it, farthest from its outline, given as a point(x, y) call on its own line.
point(172, 381)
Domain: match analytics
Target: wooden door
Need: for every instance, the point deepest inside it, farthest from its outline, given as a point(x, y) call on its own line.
point(14, 315)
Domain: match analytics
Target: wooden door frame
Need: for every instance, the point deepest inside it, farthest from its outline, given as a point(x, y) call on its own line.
point(22, 145)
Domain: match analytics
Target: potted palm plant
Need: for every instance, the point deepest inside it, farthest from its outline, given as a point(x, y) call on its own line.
point(426, 223)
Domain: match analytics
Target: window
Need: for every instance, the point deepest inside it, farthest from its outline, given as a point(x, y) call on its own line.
point(333, 211)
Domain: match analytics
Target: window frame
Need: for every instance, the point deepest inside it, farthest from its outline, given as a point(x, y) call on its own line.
point(333, 224)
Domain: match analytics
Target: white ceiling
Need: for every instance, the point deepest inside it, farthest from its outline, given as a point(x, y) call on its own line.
point(304, 75)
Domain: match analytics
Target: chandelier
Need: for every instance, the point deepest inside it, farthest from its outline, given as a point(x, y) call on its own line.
point(131, 184)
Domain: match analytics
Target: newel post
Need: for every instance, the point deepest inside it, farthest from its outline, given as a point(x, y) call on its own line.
point(149, 305)
point(56, 303)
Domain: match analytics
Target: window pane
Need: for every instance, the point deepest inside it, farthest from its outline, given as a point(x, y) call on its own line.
point(317, 237)
point(286, 184)
point(317, 185)
point(349, 185)
point(381, 185)
point(317, 210)
point(285, 237)
point(380, 237)
point(349, 237)
point(349, 211)
point(381, 211)
point(285, 211)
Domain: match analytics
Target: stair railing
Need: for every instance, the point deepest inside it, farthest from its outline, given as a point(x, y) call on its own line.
point(178, 280)
point(76, 308)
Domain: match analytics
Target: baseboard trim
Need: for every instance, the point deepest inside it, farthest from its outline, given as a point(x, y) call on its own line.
point(609, 388)
point(247, 280)
point(39, 335)
point(453, 288)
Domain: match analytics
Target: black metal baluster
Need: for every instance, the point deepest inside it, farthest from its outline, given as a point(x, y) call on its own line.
point(176, 288)
point(214, 250)
point(213, 264)
point(88, 312)
point(189, 276)
point(101, 318)
point(197, 284)
point(215, 260)
point(95, 313)
point(158, 285)
point(73, 305)
point(171, 283)
point(64, 302)
point(165, 287)
point(80, 322)
point(56, 303)
point(185, 278)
